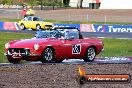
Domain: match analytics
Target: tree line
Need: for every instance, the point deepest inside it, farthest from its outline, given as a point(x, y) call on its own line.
point(64, 3)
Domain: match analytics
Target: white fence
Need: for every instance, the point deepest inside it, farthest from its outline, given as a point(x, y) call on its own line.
point(74, 15)
point(88, 18)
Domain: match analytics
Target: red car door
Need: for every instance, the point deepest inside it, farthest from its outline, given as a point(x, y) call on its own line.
point(73, 48)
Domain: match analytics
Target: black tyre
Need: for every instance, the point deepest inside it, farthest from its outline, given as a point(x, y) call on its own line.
point(48, 55)
point(38, 27)
point(14, 61)
point(90, 54)
point(22, 26)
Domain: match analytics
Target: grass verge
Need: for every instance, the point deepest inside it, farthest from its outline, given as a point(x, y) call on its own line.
point(68, 22)
point(116, 48)
point(113, 47)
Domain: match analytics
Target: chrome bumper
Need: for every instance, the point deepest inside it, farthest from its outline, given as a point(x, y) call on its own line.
point(25, 55)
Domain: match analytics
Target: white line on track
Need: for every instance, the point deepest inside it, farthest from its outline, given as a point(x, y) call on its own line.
point(104, 60)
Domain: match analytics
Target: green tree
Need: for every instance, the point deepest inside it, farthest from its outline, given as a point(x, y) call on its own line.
point(66, 2)
point(4, 2)
point(32, 2)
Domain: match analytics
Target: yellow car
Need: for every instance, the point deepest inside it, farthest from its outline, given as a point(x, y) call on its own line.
point(36, 23)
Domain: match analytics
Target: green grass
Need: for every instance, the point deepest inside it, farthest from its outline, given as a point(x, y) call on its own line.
point(117, 47)
point(9, 20)
point(69, 22)
point(112, 48)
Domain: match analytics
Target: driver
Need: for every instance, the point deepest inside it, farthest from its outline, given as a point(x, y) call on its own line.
point(67, 34)
point(56, 34)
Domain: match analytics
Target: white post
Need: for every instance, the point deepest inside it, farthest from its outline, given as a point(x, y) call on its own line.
point(105, 19)
point(69, 17)
point(17, 13)
point(87, 17)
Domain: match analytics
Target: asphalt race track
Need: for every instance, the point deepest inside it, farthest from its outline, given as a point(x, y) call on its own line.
point(105, 60)
point(85, 34)
point(58, 75)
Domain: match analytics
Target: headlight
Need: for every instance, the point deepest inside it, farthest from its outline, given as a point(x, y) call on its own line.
point(7, 45)
point(36, 46)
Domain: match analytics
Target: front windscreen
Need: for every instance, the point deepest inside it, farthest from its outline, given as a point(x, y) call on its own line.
point(58, 33)
point(42, 34)
point(37, 19)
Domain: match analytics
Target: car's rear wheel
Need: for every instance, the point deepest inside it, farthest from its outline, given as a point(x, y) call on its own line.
point(14, 61)
point(22, 26)
point(90, 54)
point(38, 27)
point(48, 55)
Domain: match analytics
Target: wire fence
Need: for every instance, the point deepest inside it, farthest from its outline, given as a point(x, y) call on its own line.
point(70, 15)
point(87, 18)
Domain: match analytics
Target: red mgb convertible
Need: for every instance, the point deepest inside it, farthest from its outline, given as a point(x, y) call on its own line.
point(54, 45)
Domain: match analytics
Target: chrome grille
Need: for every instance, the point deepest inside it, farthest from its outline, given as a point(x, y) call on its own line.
point(22, 51)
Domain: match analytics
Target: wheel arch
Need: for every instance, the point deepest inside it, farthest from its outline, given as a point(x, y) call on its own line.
point(49, 47)
point(38, 24)
point(21, 23)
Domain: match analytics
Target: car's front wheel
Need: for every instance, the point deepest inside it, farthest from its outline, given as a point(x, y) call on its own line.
point(38, 27)
point(14, 61)
point(90, 54)
point(22, 26)
point(48, 55)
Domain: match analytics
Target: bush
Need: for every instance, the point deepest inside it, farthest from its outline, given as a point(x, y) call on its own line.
point(6, 2)
point(51, 3)
point(32, 2)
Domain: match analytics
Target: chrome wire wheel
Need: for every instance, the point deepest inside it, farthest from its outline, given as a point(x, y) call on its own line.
point(48, 55)
point(90, 54)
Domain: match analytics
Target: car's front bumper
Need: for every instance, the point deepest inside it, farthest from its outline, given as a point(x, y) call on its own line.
point(30, 57)
point(23, 55)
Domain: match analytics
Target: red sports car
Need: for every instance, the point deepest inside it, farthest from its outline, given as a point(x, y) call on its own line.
point(54, 45)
